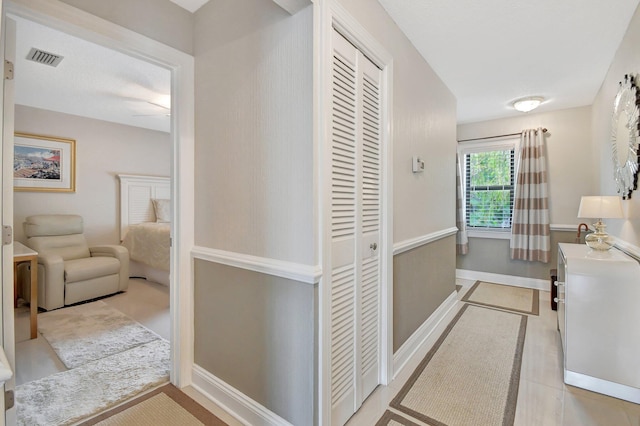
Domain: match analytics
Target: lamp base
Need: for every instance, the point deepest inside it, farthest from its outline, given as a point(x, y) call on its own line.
point(599, 240)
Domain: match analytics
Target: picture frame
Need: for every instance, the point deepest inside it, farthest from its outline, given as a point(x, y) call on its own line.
point(44, 163)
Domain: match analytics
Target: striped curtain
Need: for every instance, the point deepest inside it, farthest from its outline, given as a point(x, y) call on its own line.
point(462, 241)
point(530, 233)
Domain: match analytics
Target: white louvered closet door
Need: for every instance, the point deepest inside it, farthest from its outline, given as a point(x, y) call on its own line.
point(355, 229)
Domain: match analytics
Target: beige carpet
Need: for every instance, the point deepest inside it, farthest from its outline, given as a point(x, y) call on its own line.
point(164, 406)
point(471, 375)
point(517, 299)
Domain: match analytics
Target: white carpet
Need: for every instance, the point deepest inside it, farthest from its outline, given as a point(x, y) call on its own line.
point(91, 331)
point(111, 359)
point(66, 397)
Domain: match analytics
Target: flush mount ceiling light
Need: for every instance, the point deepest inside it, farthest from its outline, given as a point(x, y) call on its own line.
point(528, 104)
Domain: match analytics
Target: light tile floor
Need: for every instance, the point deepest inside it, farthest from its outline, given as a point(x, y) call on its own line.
point(144, 301)
point(543, 398)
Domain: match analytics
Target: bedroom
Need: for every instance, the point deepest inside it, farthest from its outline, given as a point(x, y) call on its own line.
point(139, 145)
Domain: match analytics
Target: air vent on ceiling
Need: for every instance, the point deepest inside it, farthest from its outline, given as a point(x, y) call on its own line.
point(42, 57)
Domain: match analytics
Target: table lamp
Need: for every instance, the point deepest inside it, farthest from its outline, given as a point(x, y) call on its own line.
point(600, 207)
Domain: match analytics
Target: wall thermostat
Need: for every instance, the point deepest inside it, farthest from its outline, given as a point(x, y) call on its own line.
point(418, 164)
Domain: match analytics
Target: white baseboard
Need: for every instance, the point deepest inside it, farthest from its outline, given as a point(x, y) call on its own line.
point(234, 402)
point(419, 337)
point(503, 279)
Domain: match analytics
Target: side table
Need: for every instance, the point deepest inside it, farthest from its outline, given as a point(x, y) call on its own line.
point(22, 253)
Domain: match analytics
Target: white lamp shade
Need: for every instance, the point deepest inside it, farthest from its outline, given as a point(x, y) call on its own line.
point(601, 207)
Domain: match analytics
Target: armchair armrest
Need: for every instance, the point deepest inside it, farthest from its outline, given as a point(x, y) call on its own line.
point(109, 250)
point(50, 281)
point(119, 252)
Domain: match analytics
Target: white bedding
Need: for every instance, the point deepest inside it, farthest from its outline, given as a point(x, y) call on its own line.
point(149, 243)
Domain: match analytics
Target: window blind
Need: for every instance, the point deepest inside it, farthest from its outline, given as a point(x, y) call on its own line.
point(489, 180)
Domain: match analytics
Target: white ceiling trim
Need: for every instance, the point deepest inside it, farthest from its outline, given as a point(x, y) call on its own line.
point(190, 5)
point(292, 6)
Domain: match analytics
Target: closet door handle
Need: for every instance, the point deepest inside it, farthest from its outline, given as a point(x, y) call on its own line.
point(373, 246)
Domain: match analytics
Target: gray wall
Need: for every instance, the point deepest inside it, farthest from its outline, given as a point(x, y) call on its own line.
point(422, 279)
point(488, 255)
point(257, 332)
point(103, 150)
point(254, 195)
point(254, 181)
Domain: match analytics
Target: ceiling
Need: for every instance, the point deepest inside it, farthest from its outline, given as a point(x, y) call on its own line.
point(491, 52)
point(488, 53)
point(90, 81)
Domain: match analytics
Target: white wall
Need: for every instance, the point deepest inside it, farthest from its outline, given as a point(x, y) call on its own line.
point(424, 120)
point(569, 157)
point(103, 150)
point(626, 61)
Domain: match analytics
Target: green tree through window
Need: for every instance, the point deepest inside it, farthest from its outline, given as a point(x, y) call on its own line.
point(489, 182)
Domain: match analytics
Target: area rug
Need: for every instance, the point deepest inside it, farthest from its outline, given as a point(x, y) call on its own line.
point(69, 396)
point(471, 375)
point(516, 299)
point(84, 333)
point(166, 405)
point(392, 419)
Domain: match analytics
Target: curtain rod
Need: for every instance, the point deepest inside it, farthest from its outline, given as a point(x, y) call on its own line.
point(497, 136)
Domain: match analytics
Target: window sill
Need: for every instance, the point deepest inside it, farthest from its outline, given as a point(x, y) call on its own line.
point(496, 235)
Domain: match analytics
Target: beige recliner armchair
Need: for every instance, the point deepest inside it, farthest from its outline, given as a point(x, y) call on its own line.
point(69, 271)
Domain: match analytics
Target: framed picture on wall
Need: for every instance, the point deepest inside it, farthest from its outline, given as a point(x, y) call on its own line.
point(44, 163)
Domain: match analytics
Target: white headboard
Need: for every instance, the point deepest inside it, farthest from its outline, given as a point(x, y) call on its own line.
point(136, 193)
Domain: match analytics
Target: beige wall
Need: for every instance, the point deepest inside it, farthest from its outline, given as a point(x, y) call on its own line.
point(626, 61)
point(103, 150)
point(160, 20)
point(570, 175)
point(569, 157)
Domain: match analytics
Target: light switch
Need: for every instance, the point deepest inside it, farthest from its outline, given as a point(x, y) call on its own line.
point(418, 164)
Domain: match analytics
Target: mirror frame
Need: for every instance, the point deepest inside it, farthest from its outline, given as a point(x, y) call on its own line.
point(626, 101)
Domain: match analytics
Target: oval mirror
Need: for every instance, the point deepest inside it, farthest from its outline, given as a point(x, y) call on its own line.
point(624, 137)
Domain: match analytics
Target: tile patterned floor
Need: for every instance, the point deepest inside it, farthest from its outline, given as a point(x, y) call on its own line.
point(543, 398)
point(145, 302)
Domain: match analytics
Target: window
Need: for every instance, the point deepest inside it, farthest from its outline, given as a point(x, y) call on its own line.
point(489, 188)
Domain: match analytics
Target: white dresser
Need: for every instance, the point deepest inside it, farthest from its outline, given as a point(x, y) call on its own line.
point(599, 320)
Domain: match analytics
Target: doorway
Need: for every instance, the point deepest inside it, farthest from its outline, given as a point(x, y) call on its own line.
point(180, 66)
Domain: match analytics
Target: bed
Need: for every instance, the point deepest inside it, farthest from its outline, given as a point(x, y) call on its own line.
point(145, 225)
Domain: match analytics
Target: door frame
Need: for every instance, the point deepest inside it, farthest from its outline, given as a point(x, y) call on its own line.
point(89, 27)
point(328, 15)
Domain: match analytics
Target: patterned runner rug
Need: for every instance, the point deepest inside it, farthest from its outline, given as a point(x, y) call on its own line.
point(469, 377)
point(516, 299)
point(166, 405)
